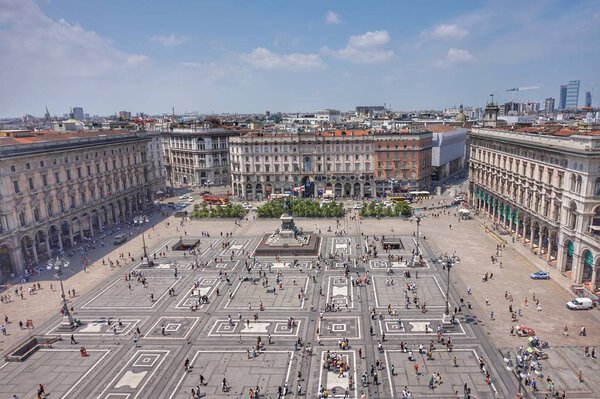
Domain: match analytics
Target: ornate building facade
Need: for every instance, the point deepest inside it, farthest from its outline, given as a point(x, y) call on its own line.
point(350, 163)
point(57, 189)
point(197, 156)
point(543, 186)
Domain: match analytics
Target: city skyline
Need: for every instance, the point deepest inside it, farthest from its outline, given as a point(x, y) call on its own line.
point(249, 58)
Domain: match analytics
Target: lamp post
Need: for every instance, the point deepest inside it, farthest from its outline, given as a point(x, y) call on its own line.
point(58, 264)
point(418, 220)
point(450, 260)
point(141, 219)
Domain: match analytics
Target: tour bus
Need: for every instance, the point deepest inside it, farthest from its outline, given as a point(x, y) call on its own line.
point(420, 194)
point(211, 200)
point(400, 198)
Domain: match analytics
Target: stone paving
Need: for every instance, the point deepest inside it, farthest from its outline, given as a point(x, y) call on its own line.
point(230, 337)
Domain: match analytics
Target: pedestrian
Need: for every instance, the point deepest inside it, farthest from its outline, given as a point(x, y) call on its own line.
point(580, 376)
point(73, 339)
point(41, 391)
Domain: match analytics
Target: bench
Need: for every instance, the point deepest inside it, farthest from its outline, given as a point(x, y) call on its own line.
point(30, 346)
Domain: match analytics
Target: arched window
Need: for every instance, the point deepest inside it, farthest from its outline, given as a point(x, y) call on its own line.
point(200, 144)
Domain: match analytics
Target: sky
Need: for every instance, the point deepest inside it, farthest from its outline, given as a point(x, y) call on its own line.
point(290, 56)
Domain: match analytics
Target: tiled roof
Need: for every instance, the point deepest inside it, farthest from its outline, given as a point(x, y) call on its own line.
point(46, 136)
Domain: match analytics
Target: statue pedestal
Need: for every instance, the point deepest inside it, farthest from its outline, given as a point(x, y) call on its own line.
point(287, 223)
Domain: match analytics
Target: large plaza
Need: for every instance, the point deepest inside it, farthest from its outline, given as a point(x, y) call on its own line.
point(335, 323)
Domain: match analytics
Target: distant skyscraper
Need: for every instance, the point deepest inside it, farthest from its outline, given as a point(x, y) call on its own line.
point(78, 113)
point(572, 94)
point(588, 98)
point(562, 104)
point(549, 105)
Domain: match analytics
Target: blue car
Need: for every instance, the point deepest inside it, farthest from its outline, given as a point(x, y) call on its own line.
point(540, 275)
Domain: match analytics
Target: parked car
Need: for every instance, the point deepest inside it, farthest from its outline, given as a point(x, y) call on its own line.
point(540, 275)
point(580, 304)
point(190, 199)
point(358, 206)
point(120, 239)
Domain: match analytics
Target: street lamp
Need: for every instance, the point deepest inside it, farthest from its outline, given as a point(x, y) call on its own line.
point(418, 220)
point(141, 219)
point(58, 264)
point(449, 263)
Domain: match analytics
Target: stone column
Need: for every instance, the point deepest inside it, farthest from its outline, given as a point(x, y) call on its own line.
point(16, 257)
point(34, 250)
point(531, 236)
point(91, 226)
point(60, 243)
point(71, 234)
point(48, 251)
point(540, 242)
point(594, 276)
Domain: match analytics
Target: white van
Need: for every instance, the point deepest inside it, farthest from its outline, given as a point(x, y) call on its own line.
point(580, 304)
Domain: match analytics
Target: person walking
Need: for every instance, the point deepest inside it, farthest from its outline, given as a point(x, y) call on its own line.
point(73, 342)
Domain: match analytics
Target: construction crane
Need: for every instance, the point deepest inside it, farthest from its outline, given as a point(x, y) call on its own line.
point(523, 88)
point(516, 89)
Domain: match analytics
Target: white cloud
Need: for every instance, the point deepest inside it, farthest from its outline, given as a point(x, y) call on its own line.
point(49, 49)
point(262, 58)
point(364, 48)
point(191, 64)
point(332, 18)
point(455, 56)
point(444, 31)
point(171, 40)
point(369, 39)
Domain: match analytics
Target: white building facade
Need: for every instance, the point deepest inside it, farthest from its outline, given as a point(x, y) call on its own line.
point(57, 189)
point(328, 163)
point(197, 156)
point(545, 190)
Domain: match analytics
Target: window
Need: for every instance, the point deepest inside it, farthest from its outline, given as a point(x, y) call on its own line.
point(22, 219)
point(45, 180)
point(28, 165)
point(79, 172)
point(36, 214)
point(89, 170)
point(30, 181)
point(16, 186)
point(56, 177)
point(13, 168)
point(49, 208)
point(68, 174)
point(61, 205)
